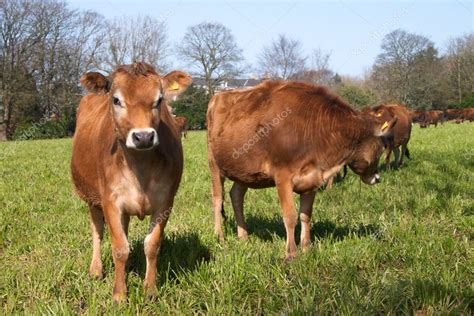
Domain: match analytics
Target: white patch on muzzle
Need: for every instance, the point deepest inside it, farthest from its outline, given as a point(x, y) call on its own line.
point(375, 179)
point(130, 144)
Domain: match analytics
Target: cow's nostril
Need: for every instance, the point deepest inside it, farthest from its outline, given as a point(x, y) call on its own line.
point(137, 137)
point(150, 137)
point(142, 139)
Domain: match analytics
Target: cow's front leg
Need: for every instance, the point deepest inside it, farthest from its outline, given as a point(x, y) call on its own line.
point(120, 249)
point(152, 247)
point(290, 216)
point(306, 209)
point(396, 153)
point(97, 228)
point(387, 158)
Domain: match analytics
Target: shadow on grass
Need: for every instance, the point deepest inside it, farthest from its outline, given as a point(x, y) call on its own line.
point(179, 253)
point(266, 228)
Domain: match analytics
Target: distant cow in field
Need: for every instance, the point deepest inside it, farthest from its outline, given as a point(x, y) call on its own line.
point(401, 132)
point(127, 160)
point(181, 121)
point(427, 118)
point(433, 118)
point(417, 116)
point(468, 114)
point(455, 115)
point(290, 135)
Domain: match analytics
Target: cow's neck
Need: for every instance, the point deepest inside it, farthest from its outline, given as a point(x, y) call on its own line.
point(140, 162)
point(359, 133)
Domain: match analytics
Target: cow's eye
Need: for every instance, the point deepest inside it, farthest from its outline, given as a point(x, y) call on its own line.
point(157, 104)
point(116, 101)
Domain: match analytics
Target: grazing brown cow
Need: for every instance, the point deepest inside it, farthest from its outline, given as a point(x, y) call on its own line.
point(401, 132)
point(417, 116)
point(432, 118)
point(181, 121)
point(290, 135)
point(427, 118)
point(127, 160)
point(468, 114)
point(455, 115)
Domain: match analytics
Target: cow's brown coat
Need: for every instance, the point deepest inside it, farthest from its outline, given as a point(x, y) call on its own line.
point(118, 181)
point(306, 134)
point(401, 132)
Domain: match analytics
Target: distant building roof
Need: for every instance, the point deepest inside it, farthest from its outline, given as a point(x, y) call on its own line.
point(229, 84)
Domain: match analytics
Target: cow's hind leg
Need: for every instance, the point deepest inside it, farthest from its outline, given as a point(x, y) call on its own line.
point(97, 228)
point(306, 209)
point(152, 246)
point(290, 216)
point(217, 196)
point(237, 194)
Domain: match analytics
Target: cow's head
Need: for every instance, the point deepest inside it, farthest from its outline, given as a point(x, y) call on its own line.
point(137, 97)
point(365, 161)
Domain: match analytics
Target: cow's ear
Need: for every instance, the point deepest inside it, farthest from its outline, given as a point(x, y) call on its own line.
point(95, 82)
point(385, 128)
point(175, 83)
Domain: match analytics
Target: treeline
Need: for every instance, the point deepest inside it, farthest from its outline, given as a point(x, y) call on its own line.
point(46, 46)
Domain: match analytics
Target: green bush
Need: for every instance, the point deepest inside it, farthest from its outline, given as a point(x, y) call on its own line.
point(193, 106)
point(43, 129)
point(357, 97)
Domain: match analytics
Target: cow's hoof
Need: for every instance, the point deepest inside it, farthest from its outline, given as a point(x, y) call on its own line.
point(95, 272)
point(220, 236)
point(120, 297)
point(243, 235)
point(305, 245)
point(289, 258)
point(150, 289)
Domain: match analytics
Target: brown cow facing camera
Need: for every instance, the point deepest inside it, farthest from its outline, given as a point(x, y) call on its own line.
point(290, 135)
point(182, 125)
point(127, 160)
point(401, 132)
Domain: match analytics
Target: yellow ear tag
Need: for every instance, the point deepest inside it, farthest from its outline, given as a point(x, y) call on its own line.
point(379, 114)
point(174, 86)
point(384, 126)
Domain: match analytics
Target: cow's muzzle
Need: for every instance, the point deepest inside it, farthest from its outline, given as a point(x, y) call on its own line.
point(142, 138)
point(372, 180)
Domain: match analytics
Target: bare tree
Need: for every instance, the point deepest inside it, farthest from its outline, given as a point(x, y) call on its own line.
point(210, 49)
point(140, 38)
point(405, 70)
point(45, 47)
point(319, 71)
point(460, 64)
point(16, 41)
point(282, 59)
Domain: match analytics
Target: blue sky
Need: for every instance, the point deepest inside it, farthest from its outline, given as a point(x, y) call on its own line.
point(351, 30)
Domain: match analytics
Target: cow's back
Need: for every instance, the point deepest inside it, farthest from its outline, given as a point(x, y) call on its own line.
point(275, 124)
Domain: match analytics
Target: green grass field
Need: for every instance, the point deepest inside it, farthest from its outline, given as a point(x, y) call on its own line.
point(402, 247)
